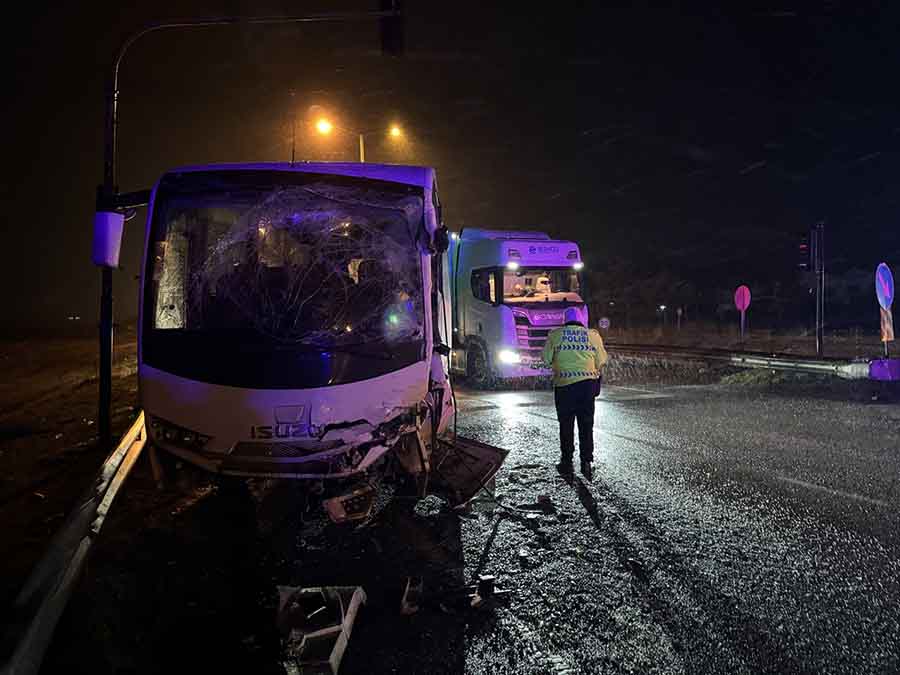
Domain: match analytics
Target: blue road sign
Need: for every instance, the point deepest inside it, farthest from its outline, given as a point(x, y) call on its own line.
point(884, 285)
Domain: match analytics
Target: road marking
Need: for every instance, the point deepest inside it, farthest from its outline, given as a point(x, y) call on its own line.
point(643, 391)
point(838, 493)
point(625, 398)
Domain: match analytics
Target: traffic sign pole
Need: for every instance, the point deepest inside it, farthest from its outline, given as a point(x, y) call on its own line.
point(818, 242)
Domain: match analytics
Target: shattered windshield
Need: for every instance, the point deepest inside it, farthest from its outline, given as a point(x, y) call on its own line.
point(541, 285)
point(287, 258)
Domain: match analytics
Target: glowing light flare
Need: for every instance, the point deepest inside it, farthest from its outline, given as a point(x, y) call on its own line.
point(395, 131)
point(512, 265)
point(578, 266)
point(508, 356)
point(324, 127)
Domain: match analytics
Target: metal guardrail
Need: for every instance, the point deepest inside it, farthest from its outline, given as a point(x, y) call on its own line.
point(849, 370)
point(43, 598)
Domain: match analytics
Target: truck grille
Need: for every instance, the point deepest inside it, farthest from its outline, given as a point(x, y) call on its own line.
point(273, 450)
point(531, 337)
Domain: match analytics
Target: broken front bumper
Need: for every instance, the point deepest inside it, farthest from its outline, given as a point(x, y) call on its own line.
point(342, 453)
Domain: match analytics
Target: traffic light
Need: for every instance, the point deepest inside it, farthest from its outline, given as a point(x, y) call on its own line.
point(392, 28)
point(804, 253)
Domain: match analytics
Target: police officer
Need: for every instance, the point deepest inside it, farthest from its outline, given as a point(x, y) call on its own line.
point(577, 357)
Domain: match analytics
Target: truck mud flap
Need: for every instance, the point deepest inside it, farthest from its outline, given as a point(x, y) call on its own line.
point(462, 467)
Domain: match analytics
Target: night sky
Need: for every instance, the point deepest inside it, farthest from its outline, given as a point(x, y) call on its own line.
point(694, 142)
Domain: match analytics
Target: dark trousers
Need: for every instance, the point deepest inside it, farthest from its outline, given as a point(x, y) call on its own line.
point(575, 402)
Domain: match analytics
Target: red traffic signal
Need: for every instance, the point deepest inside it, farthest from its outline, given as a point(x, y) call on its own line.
point(804, 260)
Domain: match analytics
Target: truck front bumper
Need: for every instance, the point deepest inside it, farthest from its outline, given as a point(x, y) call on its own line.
point(528, 366)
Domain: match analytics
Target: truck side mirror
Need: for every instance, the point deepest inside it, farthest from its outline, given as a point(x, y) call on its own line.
point(441, 239)
point(108, 228)
point(442, 349)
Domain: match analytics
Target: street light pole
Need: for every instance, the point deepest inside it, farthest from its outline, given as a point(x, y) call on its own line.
point(107, 192)
point(293, 128)
point(324, 126)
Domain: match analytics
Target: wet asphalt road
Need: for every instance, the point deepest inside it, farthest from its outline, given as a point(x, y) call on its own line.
point(727, 530)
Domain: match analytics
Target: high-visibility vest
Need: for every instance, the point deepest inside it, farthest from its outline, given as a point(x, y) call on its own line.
point(575, 353)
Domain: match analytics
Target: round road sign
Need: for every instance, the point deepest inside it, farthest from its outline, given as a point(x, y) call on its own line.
point(603, 323)
point(742, 298)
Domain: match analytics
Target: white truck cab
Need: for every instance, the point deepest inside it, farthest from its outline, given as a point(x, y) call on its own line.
point(509, 290)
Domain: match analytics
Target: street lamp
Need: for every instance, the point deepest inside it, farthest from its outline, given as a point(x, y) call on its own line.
point(325, 127)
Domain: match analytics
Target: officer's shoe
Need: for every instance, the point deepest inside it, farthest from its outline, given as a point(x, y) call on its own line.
point(587, 471)
point(565, 468)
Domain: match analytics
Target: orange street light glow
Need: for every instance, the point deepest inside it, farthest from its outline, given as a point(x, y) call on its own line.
point(395, 131)
point(323, 126)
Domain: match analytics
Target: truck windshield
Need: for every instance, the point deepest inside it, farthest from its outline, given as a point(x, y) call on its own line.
point(273, 262)
point(534, 284)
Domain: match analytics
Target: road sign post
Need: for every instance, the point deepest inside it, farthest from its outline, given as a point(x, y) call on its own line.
point(884, 291)
point(818, 255)
point(742, 302)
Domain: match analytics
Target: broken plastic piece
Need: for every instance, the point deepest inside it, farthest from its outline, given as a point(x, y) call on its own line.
point(486, 585)
point(412, 596)
point(355, 505)
point(486, 591)
point(351, 435)
point(543, 504)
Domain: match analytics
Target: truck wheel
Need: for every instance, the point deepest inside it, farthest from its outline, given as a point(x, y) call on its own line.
point(478, 370)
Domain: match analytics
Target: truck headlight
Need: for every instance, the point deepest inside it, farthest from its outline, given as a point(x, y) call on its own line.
point(508, 356)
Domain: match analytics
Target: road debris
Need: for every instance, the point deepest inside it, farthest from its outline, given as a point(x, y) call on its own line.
point(486, 591)
point(483, 595)
point(318, 622)
point(544, 504)
point(355, 505)
point(412, 596)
